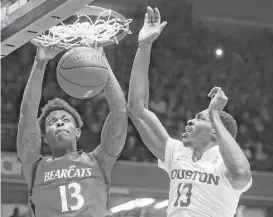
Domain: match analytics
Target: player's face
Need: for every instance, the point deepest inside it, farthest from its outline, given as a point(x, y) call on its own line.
point(61, 129)
point(199, 131)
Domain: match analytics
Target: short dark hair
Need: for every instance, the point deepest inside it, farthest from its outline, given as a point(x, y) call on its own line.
point(58, 104)
point(229, 122)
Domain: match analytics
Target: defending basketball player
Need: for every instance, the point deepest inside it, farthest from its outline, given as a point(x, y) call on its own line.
point(208, 170)
point(70, 182)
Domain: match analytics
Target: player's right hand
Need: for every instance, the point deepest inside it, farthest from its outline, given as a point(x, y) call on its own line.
point(46, 53)
point(152, 26)
point(218, 99)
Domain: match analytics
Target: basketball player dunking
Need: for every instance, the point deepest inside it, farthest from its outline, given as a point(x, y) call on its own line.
point(69, 183)
point(208, 171)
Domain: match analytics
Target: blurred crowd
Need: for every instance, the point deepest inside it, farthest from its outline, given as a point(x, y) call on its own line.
point(183, 69)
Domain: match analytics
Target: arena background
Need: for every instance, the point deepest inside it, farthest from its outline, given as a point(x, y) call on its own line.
point(206, 43)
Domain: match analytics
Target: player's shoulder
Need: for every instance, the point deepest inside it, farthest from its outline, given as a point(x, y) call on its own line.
point(47, 158)
point(90, 155)
point(215, 155)
point(83, 156)
point(175, 144)
point(96, 156)
point(178, 149)
point(75, 156)
point(172, 141)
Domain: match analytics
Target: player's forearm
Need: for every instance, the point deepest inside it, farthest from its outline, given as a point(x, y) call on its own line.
point(233, 157)
point(138, 96)
point(33, 91)
point(114, 131)
point(114, 96)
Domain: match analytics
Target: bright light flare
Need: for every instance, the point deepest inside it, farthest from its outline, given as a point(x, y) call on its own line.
point(161, 204)
point(137, 203)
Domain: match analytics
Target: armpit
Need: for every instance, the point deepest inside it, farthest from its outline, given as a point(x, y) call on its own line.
point(106, 161)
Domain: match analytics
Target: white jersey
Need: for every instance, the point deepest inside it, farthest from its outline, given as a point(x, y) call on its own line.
point(198, 189)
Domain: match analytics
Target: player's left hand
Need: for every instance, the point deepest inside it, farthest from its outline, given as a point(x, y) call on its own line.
point(152, 26)
point(46, 52)
point(218, 99)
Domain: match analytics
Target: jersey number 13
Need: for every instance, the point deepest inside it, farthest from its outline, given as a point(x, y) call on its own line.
point(76, 194)
point(183, 190)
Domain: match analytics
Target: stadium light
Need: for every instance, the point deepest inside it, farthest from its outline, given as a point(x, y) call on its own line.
point(219, 52)
point(137, 203)
point(161, 204)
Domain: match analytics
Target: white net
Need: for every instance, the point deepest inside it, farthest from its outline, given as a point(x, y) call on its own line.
point(88, 33)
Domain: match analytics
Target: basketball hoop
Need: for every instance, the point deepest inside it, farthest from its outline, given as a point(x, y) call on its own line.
point(109, 27)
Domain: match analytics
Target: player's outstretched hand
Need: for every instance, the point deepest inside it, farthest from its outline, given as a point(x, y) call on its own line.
point(46, 53)
point(152, 26)
point(218, 99)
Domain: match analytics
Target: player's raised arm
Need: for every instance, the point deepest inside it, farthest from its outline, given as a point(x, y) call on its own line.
point(238, 169)
point(29, 135)
point(114, 131)
point(148, 125)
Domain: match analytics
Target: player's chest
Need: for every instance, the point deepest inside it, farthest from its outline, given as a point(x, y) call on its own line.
point(68, 185)
point(199, 172)
point(52, 171)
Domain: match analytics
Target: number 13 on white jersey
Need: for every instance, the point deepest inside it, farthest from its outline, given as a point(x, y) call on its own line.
point(183, 195)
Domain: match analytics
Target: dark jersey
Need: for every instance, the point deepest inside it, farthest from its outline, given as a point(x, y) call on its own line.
point(74, 185)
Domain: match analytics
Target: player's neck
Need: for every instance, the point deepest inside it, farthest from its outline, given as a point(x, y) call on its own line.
point(198, 152)
point(59, 152)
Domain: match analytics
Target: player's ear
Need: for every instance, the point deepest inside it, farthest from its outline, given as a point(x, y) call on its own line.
point(213, 135)
point(78, 133)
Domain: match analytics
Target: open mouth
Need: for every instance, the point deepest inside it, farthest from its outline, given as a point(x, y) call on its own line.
point(184, 135)
point(188, 129)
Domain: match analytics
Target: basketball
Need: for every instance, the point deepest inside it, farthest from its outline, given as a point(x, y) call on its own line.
point(82, 72)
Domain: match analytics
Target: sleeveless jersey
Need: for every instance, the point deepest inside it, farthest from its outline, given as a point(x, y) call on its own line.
point(74, 185)
point(198, 189)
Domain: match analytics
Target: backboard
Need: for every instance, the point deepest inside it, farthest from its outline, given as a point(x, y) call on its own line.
point(32, 18)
